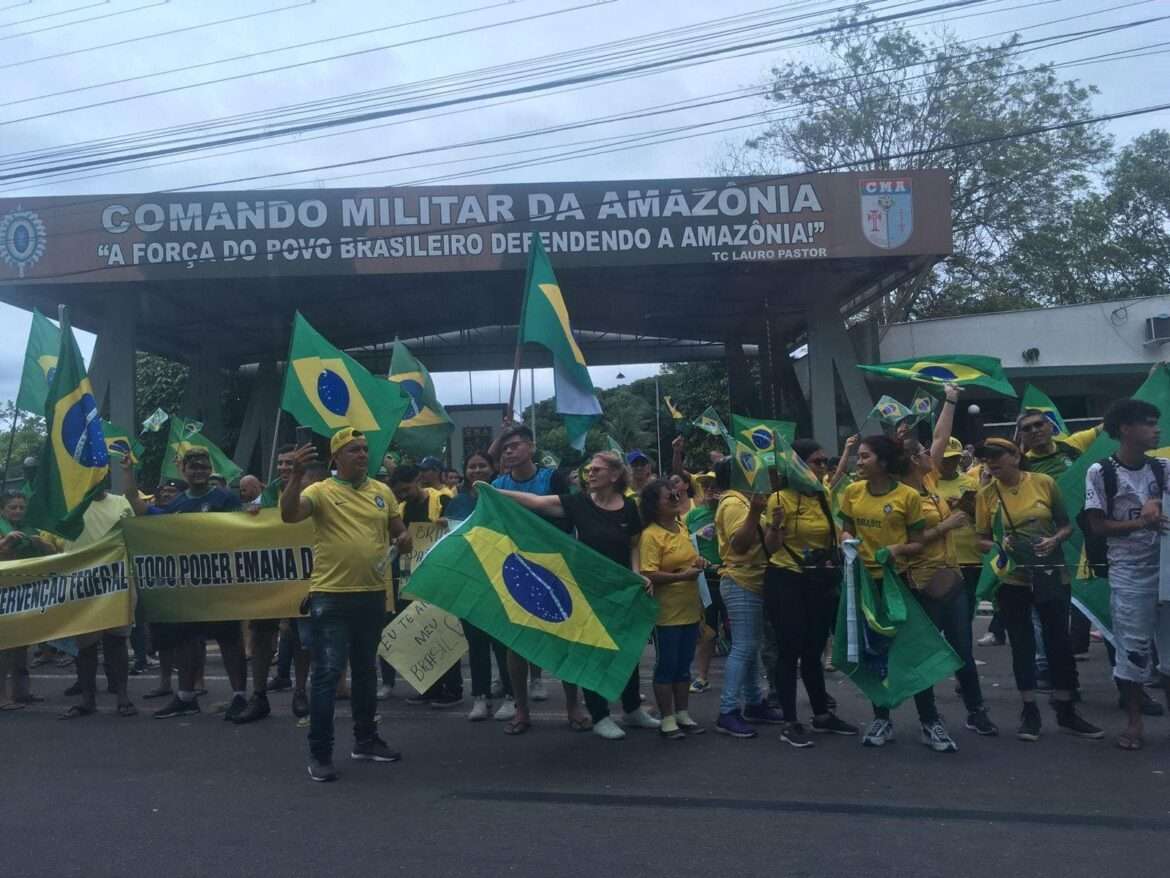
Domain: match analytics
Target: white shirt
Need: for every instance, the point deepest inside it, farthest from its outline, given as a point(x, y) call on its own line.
point(1134, 488)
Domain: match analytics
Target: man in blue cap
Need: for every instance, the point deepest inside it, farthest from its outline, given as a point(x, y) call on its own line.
point(642, 471)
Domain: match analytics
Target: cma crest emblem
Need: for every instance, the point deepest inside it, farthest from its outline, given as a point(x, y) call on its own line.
point(22, 239)
point(887, 212)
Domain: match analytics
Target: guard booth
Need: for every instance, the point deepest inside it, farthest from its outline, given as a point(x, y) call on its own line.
point(651, 270)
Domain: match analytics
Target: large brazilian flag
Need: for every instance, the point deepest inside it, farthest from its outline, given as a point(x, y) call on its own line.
point(74, 461)
point(545, 595)
point(40, 364)
point(425, 427)
point(326, 389)
point(961, 369)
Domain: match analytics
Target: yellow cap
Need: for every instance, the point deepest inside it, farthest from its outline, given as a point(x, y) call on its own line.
point(342, 438)
point(954, 448)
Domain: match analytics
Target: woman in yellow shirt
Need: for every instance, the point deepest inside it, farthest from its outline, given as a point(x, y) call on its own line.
point(883, 513)
point(672, 564)
point(1031, 512)
point(801, 590)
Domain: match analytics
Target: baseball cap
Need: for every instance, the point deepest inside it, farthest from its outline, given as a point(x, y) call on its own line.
point(430, 463)
point(635, 456)
point(954, 448)
point(996, 446)
point(342, 438)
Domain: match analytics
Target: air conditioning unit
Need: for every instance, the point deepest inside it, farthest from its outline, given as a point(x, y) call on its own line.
point(1158, 329)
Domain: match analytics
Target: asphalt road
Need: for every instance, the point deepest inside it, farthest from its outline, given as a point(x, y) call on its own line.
point(110, 796)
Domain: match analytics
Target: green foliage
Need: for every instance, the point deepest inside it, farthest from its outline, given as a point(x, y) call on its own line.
point(160, 385)
point(30, 434)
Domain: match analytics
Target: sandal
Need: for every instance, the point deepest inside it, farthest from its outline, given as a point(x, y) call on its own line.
point(1129, 742)
point(517, 727)
point(159, 692)
point(77, 711)
point(580, 724)
point(127, 710)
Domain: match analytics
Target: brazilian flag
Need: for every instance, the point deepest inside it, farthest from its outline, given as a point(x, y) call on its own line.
point(997, 563)
point(889, 411)
point(796, 473)
point(543, 594)
point(326, 389)
point(961, 369)
point(74, 462)
point(709, 422)
point(884, 642)
point(761, 434)
point(1036, 400)
point(425, 426)
point(749, 471)
point(186, 433)
point(120, 443)
point(40, 363)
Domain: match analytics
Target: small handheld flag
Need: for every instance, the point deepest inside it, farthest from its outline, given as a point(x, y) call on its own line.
point(120, 443)
point(674, 413)
point(154, 423)
point(709, 422)
point(923, 405)
point(962, 369)
point(40, 364)
point(749, 472)
point(889, 411)
point(760, 434)
point(186, 433)
point(796, 472)
point(1037, 400)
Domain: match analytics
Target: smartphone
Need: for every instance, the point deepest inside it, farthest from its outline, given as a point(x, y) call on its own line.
point(304, 436)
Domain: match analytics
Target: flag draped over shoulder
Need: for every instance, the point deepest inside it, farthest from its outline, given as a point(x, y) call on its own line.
point(544, 320)
point(760, 434)
point(884, 642)
point(74, 461)
point(1037, 400)
point(1091, 594)
point(326, 389)
point(541, 593)
point(186, 433)
point(425, 426)
point(962, 369)
point(120, 442)
point(40, 364)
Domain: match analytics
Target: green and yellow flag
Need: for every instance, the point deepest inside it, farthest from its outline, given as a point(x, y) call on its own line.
point(760, 434)
point(74, 462)
point(543, 594)
point(889, 411)
point(425, 427)
point(326, 389)
point(544, 319)
point(1036, 400)
point(40, 362)
point(186, 433)
point(121, 443)
point(962, 369)
point(674, 413)
point(795, 472)
point(923, 405)
point(613, 445)
point(709, 422)
point(749, 471)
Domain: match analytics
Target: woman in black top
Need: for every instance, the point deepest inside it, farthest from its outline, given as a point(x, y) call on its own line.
point(608, 522)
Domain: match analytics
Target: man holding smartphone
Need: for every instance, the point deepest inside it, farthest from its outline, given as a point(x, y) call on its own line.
point(358, 521)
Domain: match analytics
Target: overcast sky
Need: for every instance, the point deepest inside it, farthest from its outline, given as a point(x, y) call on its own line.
point(436, 51)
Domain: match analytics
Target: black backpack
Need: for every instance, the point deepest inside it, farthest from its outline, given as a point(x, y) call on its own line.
point(1096, 545)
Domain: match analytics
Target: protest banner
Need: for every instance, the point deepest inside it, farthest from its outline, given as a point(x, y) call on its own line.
point(422, 643)
point(60, 596)
point(211, 567)
point(423, 535)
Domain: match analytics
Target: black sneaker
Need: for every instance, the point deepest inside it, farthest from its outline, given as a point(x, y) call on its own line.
point(419, 699)
point(374, 750)
point(833, 725)
point(794, 735)
point(1073, 723)
point(257, 709)
point(178, 707)
point(1029, 729)
point(979, 722)
point(279, 684)
point(300, 704)
point(322, 771)
point(73, 690)
point(445, 700)
point(238, 706)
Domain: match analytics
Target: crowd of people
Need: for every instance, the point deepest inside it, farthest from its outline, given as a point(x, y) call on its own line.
point(758, 572)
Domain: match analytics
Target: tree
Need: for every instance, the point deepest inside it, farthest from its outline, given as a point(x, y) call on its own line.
point(30, 435)
point(160, 385)
point(888, 92)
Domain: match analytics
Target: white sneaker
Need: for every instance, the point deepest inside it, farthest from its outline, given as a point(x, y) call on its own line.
point(639, 719)
point(936, 737)
point(506, 711)
point(608, 729)
point(536, 690)
point(479, 710)
point(385, 692)
point(989, 639)
point(879, 732)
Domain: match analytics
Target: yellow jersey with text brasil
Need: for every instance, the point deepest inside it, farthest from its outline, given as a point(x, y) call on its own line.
point(881, 520)
point(351, 551)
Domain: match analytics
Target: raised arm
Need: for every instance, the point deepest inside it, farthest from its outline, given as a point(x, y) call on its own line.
point(944, 427)
point(550, 505)
point(843, 461)
point(131, 482)
point(294, 507)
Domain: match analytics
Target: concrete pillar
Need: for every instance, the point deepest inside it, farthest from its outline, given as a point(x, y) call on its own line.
point(830, 354)
point(112, 370)
point(202, 398)
point(742, 390)
point(783, 397)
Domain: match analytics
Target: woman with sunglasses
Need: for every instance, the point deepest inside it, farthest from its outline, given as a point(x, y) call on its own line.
point(607, 521)
point(1031, 511)
point(672, 564)
point(885, 513)
point(801, 590)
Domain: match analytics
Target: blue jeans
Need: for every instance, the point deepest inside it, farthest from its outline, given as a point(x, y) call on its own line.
point(741, 672)
point(344, 626)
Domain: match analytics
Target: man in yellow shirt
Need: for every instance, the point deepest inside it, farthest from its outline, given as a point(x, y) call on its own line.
point(358, 524)
point(1045, 453)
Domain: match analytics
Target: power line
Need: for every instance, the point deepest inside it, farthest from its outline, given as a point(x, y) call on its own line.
point(55, 14)
point(107, 16)
point(454, 101)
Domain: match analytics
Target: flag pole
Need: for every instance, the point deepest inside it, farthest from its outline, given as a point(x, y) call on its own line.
point(510, 410)
point(532, 397)
point(658, 424)
point(275, 443)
